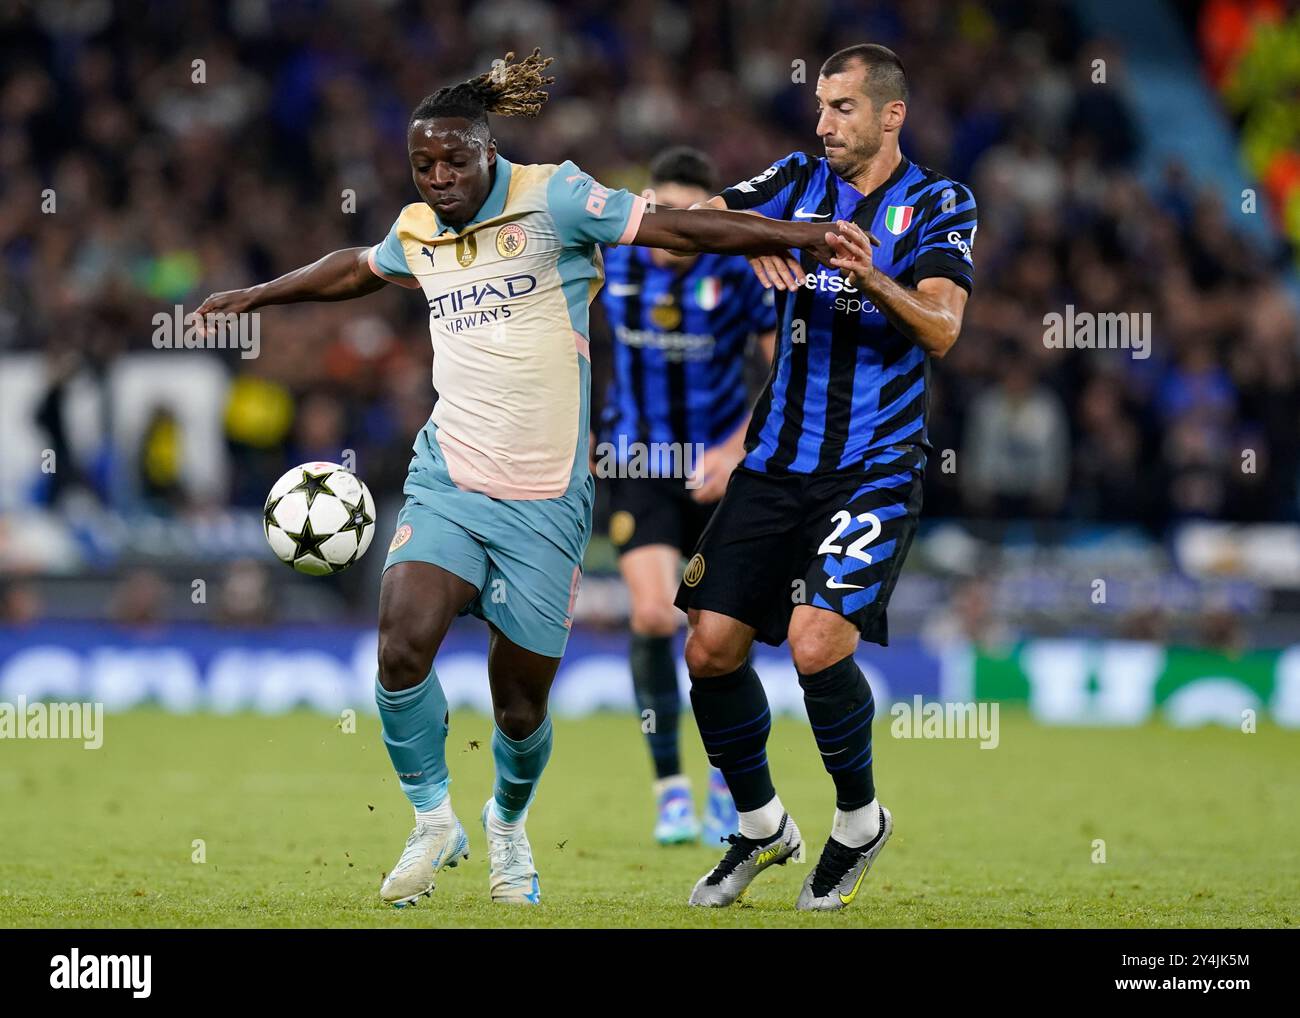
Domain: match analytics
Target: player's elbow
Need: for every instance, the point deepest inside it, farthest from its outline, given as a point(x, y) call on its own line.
point(942, 340)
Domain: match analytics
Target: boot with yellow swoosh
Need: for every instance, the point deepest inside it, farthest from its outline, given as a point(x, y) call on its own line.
point(746, 859)
point(838, 875)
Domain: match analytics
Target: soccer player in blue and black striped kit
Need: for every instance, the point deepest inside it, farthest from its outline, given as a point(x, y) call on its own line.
point(809, 539)
point(680, 327)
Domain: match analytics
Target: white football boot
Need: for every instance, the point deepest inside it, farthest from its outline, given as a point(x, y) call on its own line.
point(512, 877)
point(427, 851)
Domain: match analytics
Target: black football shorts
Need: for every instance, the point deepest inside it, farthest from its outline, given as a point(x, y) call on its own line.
point(655, 510)
point(835, 541)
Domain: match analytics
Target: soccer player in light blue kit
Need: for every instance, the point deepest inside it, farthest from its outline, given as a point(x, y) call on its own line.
point(499, 496)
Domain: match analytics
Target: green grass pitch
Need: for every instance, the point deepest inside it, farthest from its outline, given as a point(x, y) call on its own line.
point(300, 819)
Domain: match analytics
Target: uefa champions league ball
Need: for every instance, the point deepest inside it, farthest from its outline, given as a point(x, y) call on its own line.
point(319, 518)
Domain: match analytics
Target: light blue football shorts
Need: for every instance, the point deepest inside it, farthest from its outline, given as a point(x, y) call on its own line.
point(523, 555)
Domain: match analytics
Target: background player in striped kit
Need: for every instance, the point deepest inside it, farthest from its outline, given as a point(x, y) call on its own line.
point(810, 537)
point(680, 325)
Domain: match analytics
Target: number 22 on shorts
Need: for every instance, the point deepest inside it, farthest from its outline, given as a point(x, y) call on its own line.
point(858, 548)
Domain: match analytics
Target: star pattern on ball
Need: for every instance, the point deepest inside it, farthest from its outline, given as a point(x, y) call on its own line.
point(358, 518)
point(313, 485)
point(307, 542)
point(268, 514)
point(311, 548)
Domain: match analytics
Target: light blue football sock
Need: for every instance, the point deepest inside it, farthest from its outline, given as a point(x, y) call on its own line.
point(415, 732)
point(519, 767)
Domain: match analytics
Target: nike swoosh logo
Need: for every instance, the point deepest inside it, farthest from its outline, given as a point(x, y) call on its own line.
point(799, 213)
point(847, 899)
point(837, 585)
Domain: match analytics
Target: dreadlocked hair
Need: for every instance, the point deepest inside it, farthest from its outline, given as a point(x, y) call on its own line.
point(510, 90)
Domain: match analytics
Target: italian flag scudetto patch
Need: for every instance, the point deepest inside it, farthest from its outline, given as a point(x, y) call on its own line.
point(898, 218)
point(708, 293)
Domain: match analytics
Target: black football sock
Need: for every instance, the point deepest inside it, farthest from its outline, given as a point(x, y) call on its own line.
point(654, 679)
point(732, 714)
point(840, 708)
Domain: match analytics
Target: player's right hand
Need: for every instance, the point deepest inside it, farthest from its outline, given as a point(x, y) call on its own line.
point(852, 248)
point(714, 470)
point(226, 303)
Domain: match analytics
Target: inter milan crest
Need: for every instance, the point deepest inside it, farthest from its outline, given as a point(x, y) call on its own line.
point(665, 314)
point(622, 525)
point(694, 571)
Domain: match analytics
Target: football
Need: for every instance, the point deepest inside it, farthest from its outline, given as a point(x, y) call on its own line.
point(319, 518)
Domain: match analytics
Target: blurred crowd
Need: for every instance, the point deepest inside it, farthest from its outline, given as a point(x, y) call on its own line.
point(292, 144)
point(244, 594)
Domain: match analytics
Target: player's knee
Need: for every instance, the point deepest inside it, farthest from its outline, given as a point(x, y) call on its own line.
point(814, 649)
point(655, 619)
point(809, 659)
point(519, 720)
point(402, 664)
point(708, 657)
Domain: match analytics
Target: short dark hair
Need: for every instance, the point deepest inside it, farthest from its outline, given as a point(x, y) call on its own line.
point(885, 80)
point(684, 165)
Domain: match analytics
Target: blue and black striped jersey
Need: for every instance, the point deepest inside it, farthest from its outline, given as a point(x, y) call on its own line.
point(679, 341)
point(848, 389)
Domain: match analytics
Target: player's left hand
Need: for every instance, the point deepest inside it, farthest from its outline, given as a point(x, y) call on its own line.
point(852, 247)
point(714, 471)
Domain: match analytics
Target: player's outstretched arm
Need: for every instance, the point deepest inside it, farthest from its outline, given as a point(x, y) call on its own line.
point(931, 314)
point(340, 275)
point(719, 232)
point(780, 271)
